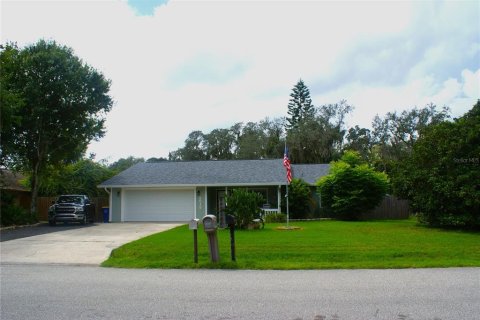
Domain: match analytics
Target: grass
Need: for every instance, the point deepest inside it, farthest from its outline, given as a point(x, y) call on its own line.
point(317, 245)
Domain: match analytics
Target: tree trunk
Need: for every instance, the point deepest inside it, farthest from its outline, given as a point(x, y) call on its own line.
point(33, 204)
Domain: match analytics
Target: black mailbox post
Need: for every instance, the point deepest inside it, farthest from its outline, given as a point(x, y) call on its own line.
point(193, 225)
point(231, 225)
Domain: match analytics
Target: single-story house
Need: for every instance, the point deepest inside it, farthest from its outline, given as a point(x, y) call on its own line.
point(182, 190)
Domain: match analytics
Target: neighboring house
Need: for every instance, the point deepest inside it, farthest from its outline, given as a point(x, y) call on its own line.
point(10, 186)
point(180, 191)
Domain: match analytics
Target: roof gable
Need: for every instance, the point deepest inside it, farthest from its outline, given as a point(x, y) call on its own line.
point(209, 173)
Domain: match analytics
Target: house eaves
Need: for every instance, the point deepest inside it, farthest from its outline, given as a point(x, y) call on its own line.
point(179, 186)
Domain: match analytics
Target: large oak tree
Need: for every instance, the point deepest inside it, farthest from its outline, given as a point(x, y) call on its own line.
point(55, 105)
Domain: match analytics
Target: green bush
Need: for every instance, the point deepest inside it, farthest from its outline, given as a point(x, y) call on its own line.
point(12, 214)
point(299, 197)
point(244, 205)
point(352, 187)
point(275, 218)
point(15, 215)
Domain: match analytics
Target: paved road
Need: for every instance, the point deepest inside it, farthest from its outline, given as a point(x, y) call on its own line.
point(81, 292)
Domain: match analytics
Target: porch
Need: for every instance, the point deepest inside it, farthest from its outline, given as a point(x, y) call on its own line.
point(216, 198)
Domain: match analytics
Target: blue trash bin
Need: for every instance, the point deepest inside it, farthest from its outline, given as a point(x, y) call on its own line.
point(106, 214)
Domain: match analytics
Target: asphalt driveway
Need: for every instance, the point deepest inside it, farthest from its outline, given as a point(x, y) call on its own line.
point(71, 244)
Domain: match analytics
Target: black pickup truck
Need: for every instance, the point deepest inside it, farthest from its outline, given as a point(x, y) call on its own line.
point(71, 208)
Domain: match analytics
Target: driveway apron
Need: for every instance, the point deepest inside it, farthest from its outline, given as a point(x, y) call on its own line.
point(80, 246)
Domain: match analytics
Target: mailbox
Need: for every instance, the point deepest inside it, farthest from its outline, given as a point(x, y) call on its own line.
point(210, 228)
point(193, 225)
point(230, 220)
point(209, 223)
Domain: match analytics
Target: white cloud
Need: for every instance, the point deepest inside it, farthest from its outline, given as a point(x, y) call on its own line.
point(204, 65)
point(471, 83)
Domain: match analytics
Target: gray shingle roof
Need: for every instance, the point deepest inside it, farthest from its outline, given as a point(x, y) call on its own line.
point(310, 173)
point(220, 172)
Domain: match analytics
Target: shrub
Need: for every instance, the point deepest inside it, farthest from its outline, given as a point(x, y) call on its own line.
point(244, 205)
point(299, 197)
point(352, 187)
point(275, 217)
point(12, 214)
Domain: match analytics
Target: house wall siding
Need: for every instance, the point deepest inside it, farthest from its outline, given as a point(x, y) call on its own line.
point(116, 205)
point(201, 202)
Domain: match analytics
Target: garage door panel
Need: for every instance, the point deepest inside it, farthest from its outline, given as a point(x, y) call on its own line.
point(158, 205)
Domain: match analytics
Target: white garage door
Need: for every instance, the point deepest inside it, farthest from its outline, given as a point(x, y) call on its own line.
point(158, 205)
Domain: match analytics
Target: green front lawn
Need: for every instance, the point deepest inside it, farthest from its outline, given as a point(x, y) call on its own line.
point(318, 245)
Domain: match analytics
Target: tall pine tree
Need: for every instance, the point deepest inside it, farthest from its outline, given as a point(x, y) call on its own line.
point(300, 106)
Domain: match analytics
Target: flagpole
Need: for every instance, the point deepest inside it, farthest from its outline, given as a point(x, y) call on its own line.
point(286, 195)
point(288, 213)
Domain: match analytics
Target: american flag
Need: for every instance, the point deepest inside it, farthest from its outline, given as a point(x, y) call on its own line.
point(286, 164)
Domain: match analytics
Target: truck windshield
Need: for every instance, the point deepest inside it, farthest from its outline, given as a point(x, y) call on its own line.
point(69, 199)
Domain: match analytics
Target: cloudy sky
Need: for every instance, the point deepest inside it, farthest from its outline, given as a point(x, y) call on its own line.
point(179, 66)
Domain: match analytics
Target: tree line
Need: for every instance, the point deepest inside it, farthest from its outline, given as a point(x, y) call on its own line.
point(314, 134)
